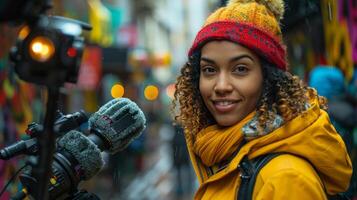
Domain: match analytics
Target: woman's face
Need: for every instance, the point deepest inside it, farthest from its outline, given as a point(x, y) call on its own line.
point(230, 82)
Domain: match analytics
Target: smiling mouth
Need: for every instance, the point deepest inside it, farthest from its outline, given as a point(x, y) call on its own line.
point(225, 106)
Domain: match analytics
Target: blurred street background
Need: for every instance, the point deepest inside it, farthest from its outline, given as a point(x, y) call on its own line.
point(135, 50)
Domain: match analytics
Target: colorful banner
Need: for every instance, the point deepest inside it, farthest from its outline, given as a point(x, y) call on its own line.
point(337, 36)
point(90, 72)
point(100, 19)
point(352, 10)
point(127, 36)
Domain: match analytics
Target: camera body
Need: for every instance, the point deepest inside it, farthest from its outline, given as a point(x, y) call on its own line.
point(64, 177)
point(65, 172)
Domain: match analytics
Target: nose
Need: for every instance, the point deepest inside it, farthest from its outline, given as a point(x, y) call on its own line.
point(223, 84)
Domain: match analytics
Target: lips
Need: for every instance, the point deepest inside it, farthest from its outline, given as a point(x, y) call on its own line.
point(223, 106)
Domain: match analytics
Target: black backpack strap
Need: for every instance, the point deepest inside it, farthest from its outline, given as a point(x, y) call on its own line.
point(249, 172)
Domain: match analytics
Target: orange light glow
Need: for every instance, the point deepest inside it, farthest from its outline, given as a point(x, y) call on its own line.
point(170, 90)
point(151, 92)
point(41, 49)
point(117, 91)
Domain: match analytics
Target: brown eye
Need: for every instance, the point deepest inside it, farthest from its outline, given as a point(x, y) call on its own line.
point(240, 70)
point(208, 70)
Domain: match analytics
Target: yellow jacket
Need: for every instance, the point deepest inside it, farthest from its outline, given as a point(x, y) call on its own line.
point(321, 161)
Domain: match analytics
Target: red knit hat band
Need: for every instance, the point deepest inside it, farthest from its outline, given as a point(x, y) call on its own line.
point(260, 42)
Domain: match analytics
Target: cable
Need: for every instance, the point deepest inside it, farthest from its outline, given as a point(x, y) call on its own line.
point(12, 179)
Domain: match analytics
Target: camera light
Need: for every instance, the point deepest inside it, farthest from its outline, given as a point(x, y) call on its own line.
point(41, 49)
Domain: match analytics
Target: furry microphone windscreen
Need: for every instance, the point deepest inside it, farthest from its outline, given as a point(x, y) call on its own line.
point(119, 122)
point(84, 151)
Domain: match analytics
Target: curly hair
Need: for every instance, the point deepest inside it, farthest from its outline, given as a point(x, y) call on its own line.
point(283, 94)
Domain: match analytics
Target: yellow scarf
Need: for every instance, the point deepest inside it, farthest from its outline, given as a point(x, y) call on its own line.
point(215, 144)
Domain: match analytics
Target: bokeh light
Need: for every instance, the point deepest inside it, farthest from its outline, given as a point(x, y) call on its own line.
point(24, 32)
point(170, 90)
point(117, 91)
point(151, 92)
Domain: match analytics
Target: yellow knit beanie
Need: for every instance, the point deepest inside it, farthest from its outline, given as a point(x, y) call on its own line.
point(252, 23)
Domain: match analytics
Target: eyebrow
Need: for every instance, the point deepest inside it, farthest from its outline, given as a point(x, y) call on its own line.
point(236, 58)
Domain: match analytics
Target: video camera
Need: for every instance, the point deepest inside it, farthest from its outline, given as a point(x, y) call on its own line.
point(48, 52)
point(64, 177)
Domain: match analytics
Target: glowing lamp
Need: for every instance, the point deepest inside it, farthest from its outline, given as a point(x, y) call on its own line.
point(41, 49)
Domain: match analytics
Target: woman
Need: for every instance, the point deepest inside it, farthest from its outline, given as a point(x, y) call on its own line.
point(235, 98)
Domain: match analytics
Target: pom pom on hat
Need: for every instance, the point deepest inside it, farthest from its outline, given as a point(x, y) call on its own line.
point(274, 6)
